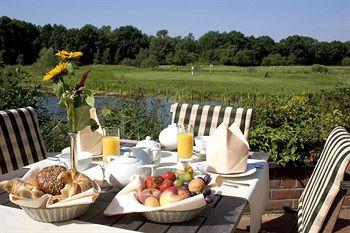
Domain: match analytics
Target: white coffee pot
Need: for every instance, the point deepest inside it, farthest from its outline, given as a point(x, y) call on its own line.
point(168, 137)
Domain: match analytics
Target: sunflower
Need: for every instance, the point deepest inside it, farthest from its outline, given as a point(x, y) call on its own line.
point(75, 55)
point(66, 56)
point(63, 54)
point(58, 70)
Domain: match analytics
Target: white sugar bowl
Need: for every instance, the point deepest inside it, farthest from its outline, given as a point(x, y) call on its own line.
point(168, 137)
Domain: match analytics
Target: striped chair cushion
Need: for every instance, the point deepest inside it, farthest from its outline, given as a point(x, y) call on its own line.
point(20, 140)
point(324, 182)
point(205, 118)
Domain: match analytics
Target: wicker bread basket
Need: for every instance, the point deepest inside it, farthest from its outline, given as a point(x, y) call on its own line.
point(58, 214)
point(164, 216)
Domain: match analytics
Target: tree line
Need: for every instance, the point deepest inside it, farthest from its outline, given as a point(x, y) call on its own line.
point(22, 42)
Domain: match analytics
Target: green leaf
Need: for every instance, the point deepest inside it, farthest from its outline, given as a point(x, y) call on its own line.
point(58, 88)
point(82, 117)
point(70, 68)
point(90, 100)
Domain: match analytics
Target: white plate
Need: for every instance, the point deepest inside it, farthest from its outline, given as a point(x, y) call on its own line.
point(250, 170)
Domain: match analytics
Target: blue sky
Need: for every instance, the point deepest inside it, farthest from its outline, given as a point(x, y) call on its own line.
point(322, 19)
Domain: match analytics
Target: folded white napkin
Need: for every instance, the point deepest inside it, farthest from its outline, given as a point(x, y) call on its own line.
point(91, 141)
point(227, 150)
point(46, 201)
point(126, 201)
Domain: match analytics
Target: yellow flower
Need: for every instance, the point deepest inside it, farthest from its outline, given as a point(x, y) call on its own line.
point(75, 55)
point(62, 54)
point(58, 70)
point(65, 55)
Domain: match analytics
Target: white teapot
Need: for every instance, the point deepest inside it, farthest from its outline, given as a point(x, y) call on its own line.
point(120, 169)
point(147, 151)
point(168, 137)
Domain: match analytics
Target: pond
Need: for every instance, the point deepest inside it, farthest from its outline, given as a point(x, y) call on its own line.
point(161, 105)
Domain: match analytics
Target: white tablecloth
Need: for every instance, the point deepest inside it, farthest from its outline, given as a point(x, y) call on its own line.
point(257, 193)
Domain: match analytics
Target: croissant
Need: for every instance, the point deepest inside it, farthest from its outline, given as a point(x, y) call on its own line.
point(75, 183)
point(20, 188)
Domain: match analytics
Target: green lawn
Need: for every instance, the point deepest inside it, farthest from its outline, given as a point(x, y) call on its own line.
point(169, 80)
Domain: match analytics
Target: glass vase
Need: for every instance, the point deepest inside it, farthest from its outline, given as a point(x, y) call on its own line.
point(73, 151)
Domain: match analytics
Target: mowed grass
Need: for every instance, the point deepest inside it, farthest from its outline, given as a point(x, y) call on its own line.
point(228, 79)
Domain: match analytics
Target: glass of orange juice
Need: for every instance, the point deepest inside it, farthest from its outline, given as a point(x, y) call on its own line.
point(110, 143)
point(185, 143)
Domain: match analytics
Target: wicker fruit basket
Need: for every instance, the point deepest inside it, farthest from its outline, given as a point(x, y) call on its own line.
point(164, 216)
point(57, 214)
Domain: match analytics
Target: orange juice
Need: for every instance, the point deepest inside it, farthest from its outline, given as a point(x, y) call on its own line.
point(111, 146)
point(184, 145)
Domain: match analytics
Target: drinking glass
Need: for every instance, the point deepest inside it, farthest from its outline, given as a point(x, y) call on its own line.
point(111, 143)
point(185, 143)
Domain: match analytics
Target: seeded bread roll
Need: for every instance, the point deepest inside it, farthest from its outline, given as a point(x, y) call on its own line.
point(47, 179)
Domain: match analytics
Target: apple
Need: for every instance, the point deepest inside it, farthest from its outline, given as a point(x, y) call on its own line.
point(196, 185)
point(149, 193)
point(152, 201)
point(173, 194)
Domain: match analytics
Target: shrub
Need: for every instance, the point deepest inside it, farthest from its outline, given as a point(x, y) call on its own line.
point(16, 92)
point(293, 128)
point(136, 117)
point(46, 60)
point(274, 60)
point(346, 61)
point(128, 62)
point(319, 69)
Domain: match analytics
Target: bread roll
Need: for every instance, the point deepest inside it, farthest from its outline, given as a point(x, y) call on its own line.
point(47, 179)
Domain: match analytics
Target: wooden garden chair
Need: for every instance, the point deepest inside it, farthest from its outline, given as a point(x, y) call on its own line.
point(206, 118)
point(323, 196)
point(21, 143)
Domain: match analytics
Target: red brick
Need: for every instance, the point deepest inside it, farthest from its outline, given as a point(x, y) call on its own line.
point(285, 194)
point(275, 184)
point(279, 204)
point(346, 201)
point(288, 183)
point(301, 183)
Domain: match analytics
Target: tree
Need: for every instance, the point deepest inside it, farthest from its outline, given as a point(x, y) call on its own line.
point(329, 53)
point(300, 46)
point(244, 58)
point(85, 39)
point(127, 41)
point(160, 46)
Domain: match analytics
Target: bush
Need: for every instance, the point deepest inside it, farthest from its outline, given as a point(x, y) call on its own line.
point(128, 62)
point(346, 61)
point(319, 69)
point(16, 92)
point(273, 60)
point(46, 60)
point(134, 117)
point(293, 128)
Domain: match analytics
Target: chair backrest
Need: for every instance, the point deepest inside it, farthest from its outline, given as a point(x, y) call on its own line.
point(323, 185)
point(206, 118)
point(20, 139)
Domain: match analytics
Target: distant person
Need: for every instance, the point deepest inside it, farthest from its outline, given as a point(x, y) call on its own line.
point(267, 75)
point(192, 70)
point(210, 66)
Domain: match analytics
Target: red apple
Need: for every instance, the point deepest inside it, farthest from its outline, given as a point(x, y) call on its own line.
point(173, 194)
point(149, 193)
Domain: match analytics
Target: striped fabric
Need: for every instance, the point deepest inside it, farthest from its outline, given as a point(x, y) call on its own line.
point(20, 140)
point(205, 118)
point(324, 182)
